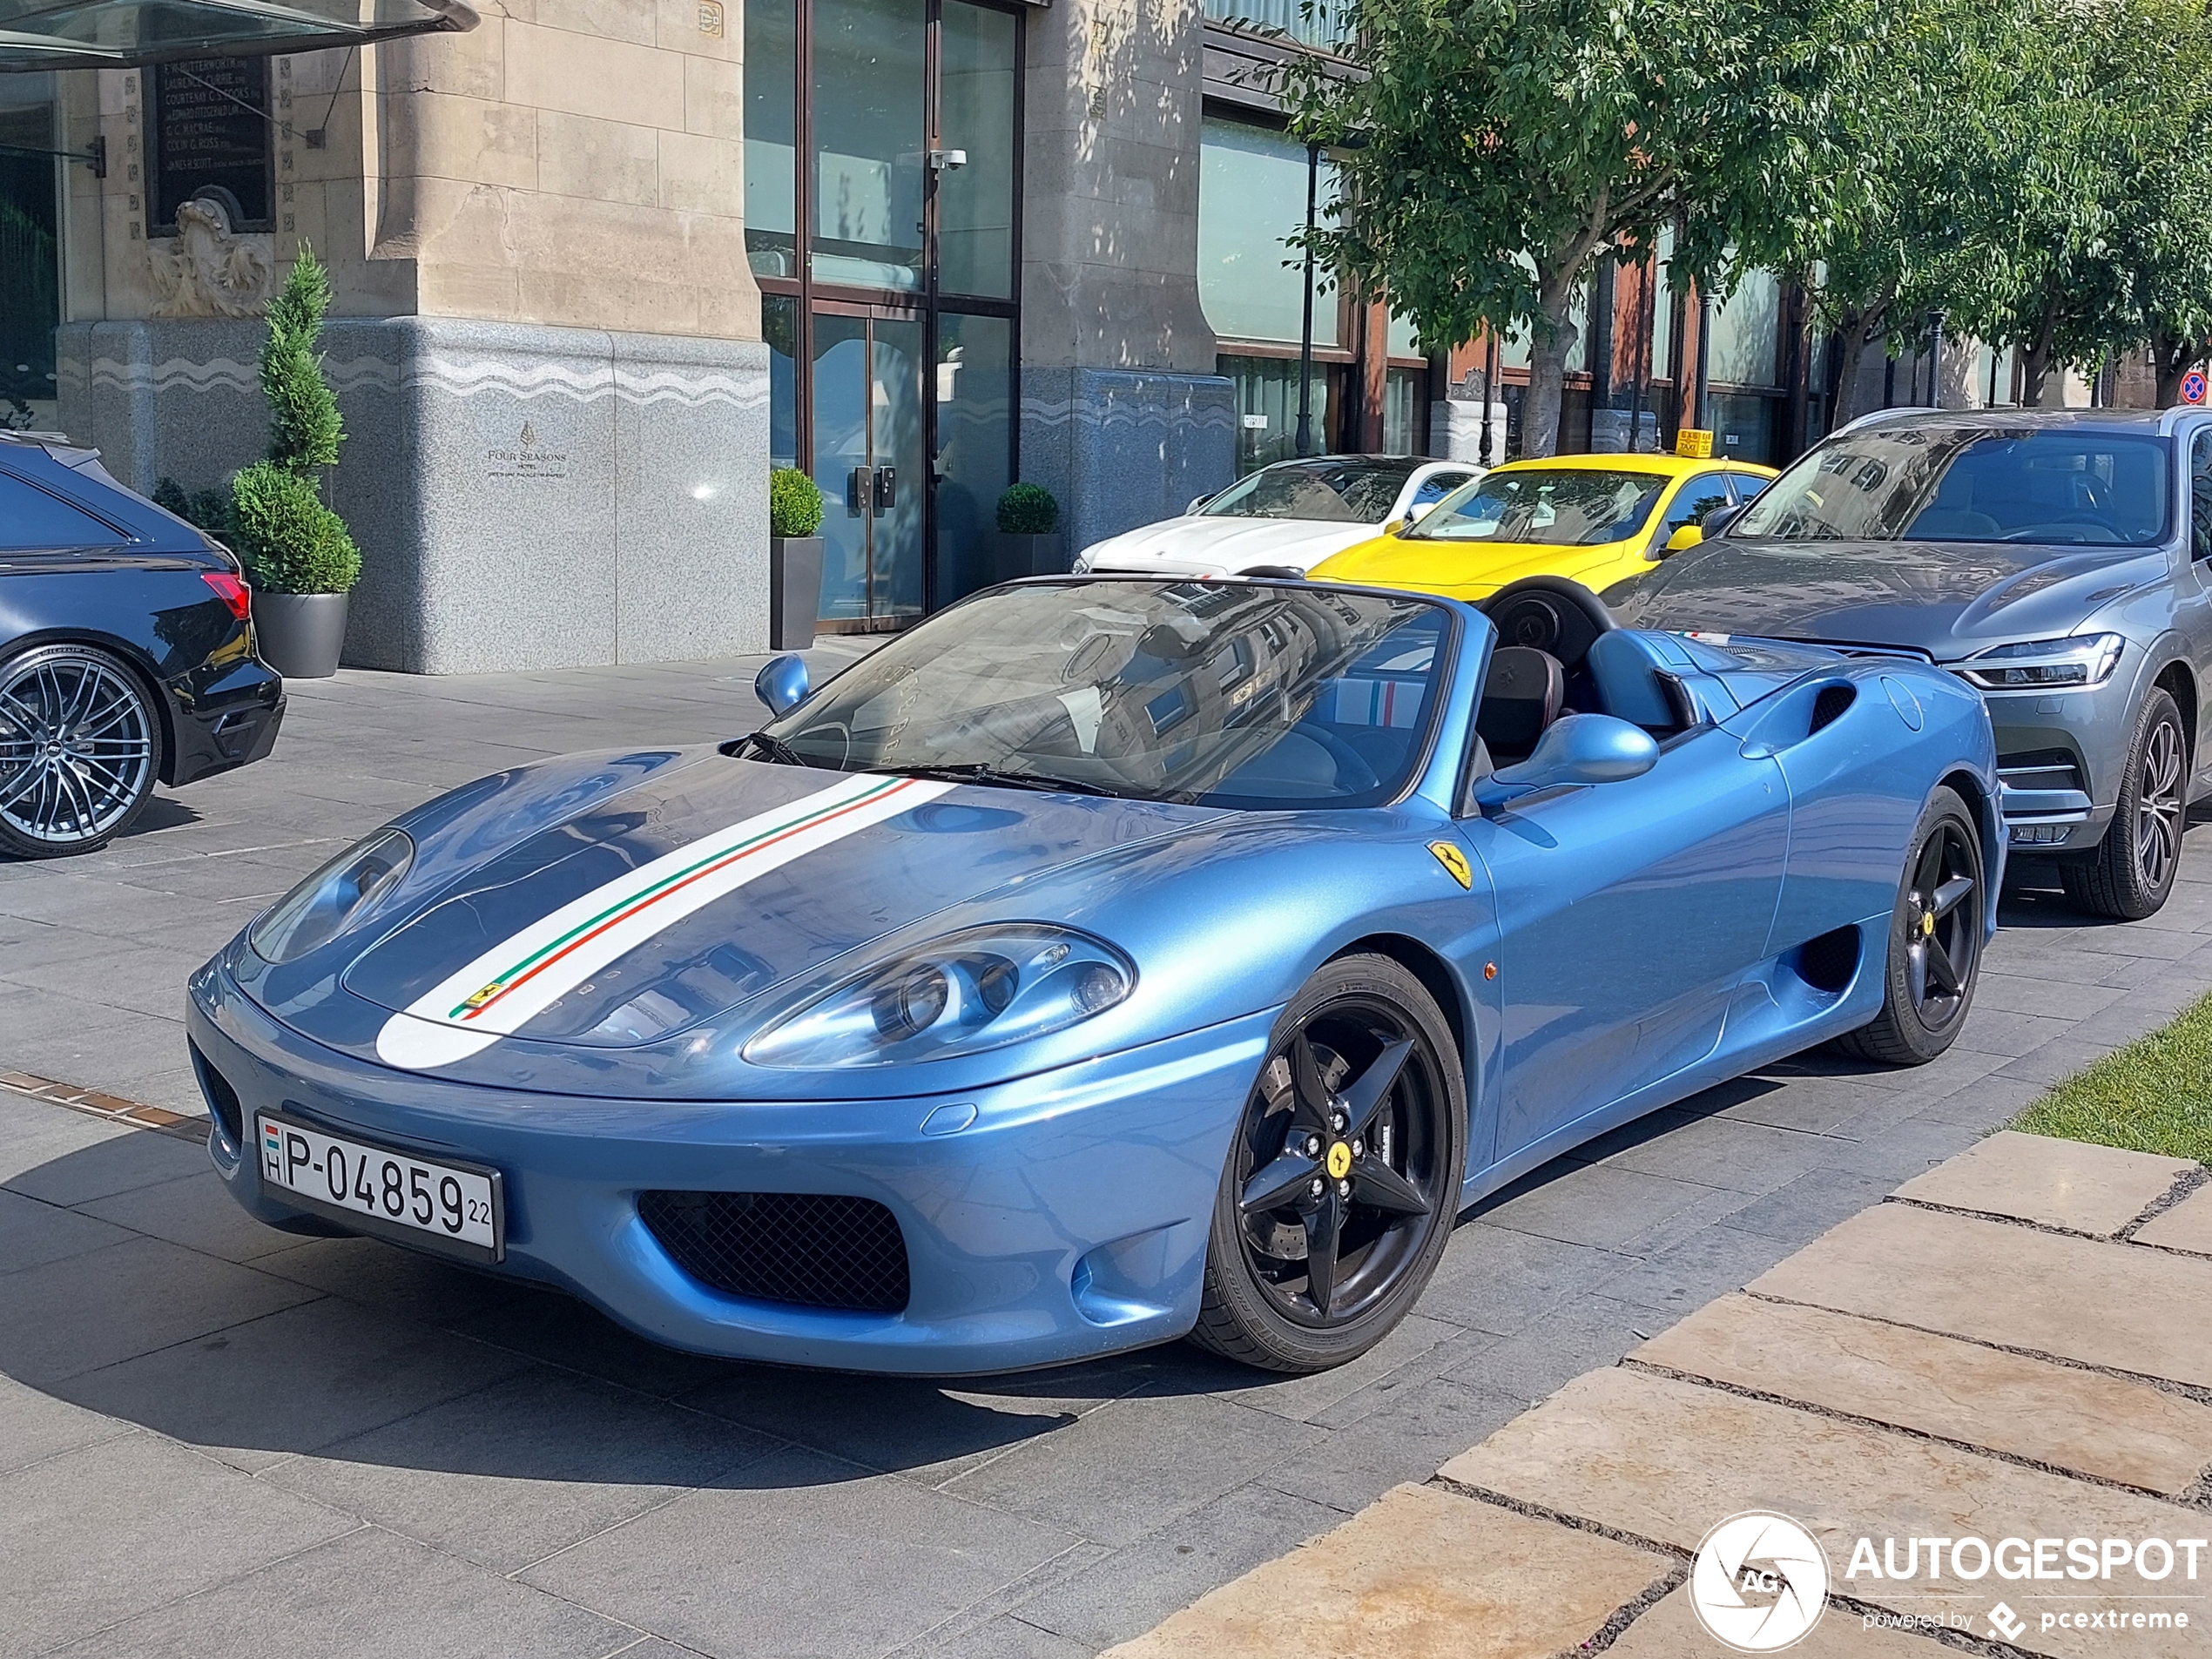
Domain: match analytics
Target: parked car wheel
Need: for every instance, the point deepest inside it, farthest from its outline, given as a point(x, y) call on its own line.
point(2131, 872)
point(1342, 1183)
point(80, 747)
point(1935, 940)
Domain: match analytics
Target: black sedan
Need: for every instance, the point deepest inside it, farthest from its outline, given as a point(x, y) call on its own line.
point(126, 653)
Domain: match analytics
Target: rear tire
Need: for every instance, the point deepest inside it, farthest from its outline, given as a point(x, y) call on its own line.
point(1361, 1096)
point(80, 747)
point(2130, 874)
point(1934, 954)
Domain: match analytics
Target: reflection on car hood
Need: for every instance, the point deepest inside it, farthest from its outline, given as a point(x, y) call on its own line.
point(1466, 570)
point(1945, 598)
point(860, 871)
point(1198, 545)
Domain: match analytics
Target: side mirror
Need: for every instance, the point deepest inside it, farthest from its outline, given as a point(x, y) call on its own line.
point(782, 685)
point(1718, 520)
point(1197, 502)
point(1682, 539)
point(1579, 749)
point(1396, 527)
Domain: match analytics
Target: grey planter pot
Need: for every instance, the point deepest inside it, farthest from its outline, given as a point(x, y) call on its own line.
point(299, 635)
point(1031, 555)
point(794, 591)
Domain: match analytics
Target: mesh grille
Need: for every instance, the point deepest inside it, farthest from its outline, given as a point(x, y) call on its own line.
point(816, 1250)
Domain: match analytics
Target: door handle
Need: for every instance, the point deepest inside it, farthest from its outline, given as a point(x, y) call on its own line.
point(858, 488)
point(887, 490)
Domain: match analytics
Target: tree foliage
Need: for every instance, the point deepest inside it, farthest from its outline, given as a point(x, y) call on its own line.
point(289, 539)
point(1496, 149)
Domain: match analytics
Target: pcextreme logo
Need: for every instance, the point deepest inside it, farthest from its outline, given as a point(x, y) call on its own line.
point(1759, 1582)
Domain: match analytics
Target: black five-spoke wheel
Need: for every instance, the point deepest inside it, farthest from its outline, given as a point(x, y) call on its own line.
point(1935, 940)
point(1342, 1182)
point(80, 745)
point(2130, 872)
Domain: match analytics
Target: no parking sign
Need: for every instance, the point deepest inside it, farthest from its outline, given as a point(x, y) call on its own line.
point(2193, 386)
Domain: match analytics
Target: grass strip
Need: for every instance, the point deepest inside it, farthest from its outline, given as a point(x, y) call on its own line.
point(2154, 1095)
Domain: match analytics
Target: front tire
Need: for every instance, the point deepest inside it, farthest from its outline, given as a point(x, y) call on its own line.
point(1934, 955)
point(1339, 1190)
point(80, 747)
point(2131, 873)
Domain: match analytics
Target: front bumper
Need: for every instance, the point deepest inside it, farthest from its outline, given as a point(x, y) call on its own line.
point(2060, 758)
point(1067, 1219)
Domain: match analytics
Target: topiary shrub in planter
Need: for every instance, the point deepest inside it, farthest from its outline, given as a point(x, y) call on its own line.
point(1030, 541)
point(300, 559)
point(794, 559)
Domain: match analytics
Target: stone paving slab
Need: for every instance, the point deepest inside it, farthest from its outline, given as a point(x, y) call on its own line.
point(1994, 1282)
point(2188, 1226)
point(1664, 1460)
point(1668, 1629)
point(2070, 1418)
point(1423, 1573)
point(2074, 1184)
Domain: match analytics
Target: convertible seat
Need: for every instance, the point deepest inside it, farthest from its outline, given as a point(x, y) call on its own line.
point(1521, 694)
point(1626, 666)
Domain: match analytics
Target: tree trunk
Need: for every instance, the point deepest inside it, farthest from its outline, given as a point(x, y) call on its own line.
point(2171, 358)
point(1853, 329)
point(2035, 360)
point(1547, 371)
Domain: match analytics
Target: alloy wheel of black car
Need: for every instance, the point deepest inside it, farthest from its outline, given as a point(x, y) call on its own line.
point(1343, 1177)
point(80, 747)
point(2130, 874)
point(1935, 940)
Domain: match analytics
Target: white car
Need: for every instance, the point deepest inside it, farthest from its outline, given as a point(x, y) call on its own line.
point(1288, 516)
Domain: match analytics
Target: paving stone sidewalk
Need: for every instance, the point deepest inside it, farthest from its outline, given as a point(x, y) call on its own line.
point(217, 1438)
point(2013, 1346)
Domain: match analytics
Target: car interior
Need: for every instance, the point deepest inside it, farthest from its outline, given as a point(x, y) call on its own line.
point(1560, 653)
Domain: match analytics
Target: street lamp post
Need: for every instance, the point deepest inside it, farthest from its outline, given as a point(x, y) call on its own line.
point(1935, 359)
point(1304, 439)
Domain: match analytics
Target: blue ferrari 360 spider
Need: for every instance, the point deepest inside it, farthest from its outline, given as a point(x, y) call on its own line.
point(1105, 961)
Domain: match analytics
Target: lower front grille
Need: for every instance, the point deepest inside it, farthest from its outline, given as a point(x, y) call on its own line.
point(2040, 769)
point(222, 1099)
point(814, 1250)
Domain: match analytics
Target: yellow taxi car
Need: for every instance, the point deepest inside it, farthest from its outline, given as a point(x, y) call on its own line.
point(1598, 519)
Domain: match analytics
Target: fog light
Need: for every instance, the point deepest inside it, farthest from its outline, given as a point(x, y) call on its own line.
point(2039, 834)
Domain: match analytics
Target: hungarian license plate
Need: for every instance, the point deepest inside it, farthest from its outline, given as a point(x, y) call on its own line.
point(455, 1205)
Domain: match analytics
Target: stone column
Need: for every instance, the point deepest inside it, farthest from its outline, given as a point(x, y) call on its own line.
point(1123, 416)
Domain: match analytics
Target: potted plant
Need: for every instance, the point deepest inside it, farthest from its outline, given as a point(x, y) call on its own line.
point(794, 559)
point(299, 560)
point(1030, 532)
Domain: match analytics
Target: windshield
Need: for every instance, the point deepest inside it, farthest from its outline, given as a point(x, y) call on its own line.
point(1566, 507)
point(1226, 693)
point(1929, 481)
point(1349, 492)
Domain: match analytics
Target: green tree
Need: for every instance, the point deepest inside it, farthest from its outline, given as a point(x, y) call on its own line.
point(1496, 149)
point(290, 540)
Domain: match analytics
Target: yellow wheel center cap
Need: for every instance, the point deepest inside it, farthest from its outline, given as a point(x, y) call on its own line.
point(1339, 1161)
point(1927, 926)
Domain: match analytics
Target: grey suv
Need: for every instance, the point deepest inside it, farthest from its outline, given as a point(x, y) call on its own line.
point(2060, 561)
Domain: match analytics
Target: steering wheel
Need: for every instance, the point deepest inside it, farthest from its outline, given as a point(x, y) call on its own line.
point(1354, 775)
point(2074, 518)
point(1552, 614)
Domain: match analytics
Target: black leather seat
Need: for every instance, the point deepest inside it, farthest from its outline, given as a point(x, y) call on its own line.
point(1521, 694)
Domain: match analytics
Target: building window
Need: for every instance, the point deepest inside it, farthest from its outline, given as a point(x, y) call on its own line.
point(1312, 23)
point(770, 138)
point(30, 252)
point(1747, 333)
point(780, 329)
point(870, 58)
point(1401, 411)
point(1251, 197)
point(1267, 409)
point(979, 68)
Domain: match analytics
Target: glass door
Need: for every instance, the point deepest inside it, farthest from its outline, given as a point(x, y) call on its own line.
point(870, 459)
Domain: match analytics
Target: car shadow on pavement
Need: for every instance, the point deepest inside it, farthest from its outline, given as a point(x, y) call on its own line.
point(164, 1305)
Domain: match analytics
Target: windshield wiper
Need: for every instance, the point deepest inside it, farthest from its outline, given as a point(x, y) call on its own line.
point(770, 748)
point(979, 773)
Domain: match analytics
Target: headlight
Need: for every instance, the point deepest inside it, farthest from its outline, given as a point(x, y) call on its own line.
point(2079, 664)
point(967, 992)
point(333, 899)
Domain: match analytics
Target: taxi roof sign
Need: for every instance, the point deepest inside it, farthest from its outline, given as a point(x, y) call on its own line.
point(1694, 444)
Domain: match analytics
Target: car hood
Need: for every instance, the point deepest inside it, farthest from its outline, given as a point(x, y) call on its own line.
point(1198, 545)
point(1466, 570)
point(1948, 599)
point(577, 956)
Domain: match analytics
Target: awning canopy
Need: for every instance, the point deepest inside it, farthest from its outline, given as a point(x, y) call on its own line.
point(124, 34)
